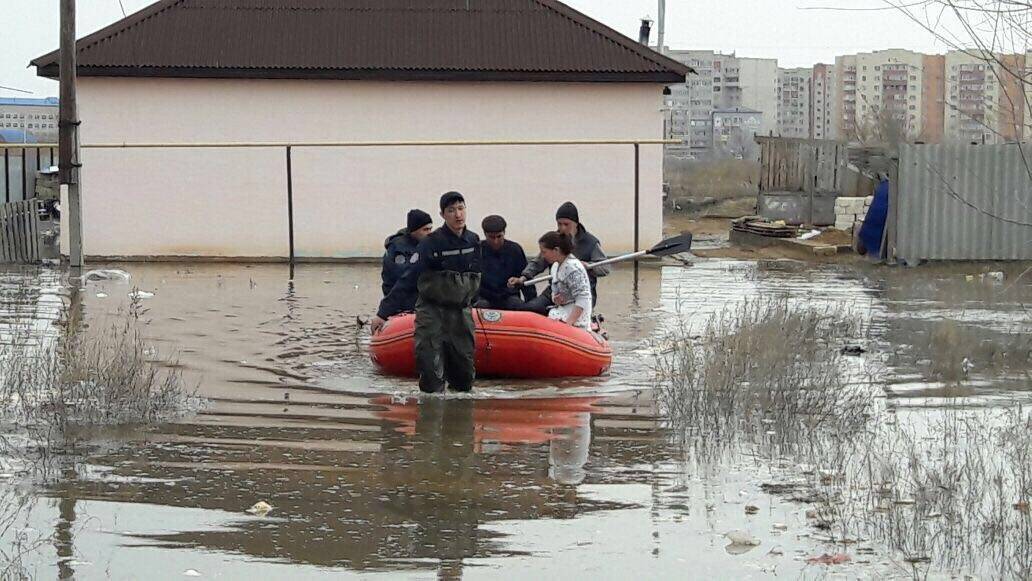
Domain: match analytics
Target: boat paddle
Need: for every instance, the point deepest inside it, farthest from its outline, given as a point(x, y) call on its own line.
point(673, 245)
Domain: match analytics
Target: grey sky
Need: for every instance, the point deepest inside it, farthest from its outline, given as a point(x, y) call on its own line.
point(781, 29)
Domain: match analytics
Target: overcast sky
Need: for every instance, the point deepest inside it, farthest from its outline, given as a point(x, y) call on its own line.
point(788, 30)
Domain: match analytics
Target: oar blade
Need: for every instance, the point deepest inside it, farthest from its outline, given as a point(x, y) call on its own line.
point(674, 245)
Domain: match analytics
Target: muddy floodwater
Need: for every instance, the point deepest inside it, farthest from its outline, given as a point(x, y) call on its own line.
point(567, 479)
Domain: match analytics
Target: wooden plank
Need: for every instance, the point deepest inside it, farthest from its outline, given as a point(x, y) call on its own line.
point(37, 250)
point(19, 251)
point(3, 234)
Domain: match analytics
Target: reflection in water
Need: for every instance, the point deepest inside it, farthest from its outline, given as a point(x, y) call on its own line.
point(365, 476)
point(568, 452)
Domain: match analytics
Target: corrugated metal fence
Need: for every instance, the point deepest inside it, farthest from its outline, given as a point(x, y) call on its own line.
point(963, 202)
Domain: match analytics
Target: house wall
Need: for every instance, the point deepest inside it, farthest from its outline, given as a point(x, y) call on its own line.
point(233, 202)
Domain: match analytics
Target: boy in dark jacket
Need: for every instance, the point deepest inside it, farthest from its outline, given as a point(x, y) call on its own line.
point(501, 260)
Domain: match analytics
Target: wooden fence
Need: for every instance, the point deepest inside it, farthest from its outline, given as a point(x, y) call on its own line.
point(801, 165)
point(19, 231)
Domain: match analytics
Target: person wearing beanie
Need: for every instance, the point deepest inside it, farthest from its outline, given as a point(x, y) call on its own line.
point(587, 249)
point(442, 280)
point(400, 247)
point(502, 260)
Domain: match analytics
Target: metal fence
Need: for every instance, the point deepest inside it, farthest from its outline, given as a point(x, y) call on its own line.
point(19, 164)
point(20, 231)
point(962, 202)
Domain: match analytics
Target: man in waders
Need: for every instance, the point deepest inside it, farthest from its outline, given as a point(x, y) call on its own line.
point(445, 276)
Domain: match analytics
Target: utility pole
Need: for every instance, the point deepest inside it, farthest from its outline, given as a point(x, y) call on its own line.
point(661, 25)
point(68, 126)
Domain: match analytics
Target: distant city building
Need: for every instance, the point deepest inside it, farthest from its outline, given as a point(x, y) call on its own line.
point(822, 103)
point(933, 98)
point(33, 117)
point(734, 131)
point(879, 95)
point(793, 110)
point(984, 103)
point(723, 81)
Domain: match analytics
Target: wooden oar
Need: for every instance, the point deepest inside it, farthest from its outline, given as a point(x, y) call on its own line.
point(674, 245)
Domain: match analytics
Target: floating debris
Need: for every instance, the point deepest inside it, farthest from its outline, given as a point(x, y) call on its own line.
point(107, 274)
point(826, 559)
point(260, 508)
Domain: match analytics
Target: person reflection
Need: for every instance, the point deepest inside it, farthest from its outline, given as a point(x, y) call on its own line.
point(444, 501)
point(568, 451)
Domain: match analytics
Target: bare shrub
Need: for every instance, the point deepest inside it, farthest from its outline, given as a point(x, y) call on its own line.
point(70, 375)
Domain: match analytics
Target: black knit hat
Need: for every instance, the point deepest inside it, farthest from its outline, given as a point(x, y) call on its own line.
point(417, 219)
point(493, 224)
point(568, 211)
point(450, 198)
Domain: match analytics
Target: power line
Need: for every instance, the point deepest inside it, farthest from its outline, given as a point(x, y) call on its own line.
point(15, 90)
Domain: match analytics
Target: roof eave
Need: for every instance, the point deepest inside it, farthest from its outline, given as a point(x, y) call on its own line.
point(658, 77)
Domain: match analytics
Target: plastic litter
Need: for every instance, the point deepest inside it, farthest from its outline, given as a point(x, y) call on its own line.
point(742, 538)
point(260, 508)
point(191, 573)
point(810, 234)
point(139, 294)
point(107, 274)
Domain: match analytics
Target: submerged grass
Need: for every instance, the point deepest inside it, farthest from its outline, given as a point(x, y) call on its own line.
point(66, 374)
point(940, 489)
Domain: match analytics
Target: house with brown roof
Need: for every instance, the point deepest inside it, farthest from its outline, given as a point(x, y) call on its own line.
point(216, 88)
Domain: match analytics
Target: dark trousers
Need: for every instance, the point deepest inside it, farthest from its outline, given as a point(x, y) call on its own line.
point(444, 345)
point(509, 303)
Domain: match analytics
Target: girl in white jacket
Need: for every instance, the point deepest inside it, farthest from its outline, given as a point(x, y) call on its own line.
point(571, 288)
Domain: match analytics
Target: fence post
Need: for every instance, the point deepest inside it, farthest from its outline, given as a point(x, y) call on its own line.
point(290, 209)
point(637, 199)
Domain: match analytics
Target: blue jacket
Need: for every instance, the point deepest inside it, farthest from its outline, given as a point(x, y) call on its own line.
point(498, 267)
point(441, 251)
point(400, 248)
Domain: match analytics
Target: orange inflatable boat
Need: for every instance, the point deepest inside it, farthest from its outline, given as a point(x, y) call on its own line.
point(508, 344)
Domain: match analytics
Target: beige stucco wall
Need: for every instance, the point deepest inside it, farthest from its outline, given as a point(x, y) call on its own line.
point(232, 202)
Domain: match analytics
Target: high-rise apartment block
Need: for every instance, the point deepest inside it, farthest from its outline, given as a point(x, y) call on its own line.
point(879, 95)
point(885, 95)
point(721, 82)
point(985, 100)
point(822, 103)
point(794, 102)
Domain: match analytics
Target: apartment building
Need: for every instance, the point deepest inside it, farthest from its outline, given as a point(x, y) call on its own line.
point(880, 95)
point(723, 81)
point(822, 103)
point(794, 102)
point(33, 118)
point(734, 130)
point(984, 98)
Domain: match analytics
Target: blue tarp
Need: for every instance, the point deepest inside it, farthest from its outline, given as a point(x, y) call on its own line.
point(874, 222)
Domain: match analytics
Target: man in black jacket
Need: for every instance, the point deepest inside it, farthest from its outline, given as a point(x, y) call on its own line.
point(502, 260)
point(401, 246)
point(444, 278)
point(587, 249)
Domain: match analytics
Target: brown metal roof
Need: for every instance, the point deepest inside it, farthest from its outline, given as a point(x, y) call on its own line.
point(518, 40)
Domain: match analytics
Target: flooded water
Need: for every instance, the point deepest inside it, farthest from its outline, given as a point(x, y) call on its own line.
point(564, 479)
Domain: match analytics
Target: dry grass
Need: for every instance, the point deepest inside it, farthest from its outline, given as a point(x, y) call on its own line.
point(68, 374)
point(711, 187)
point(946, 489)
